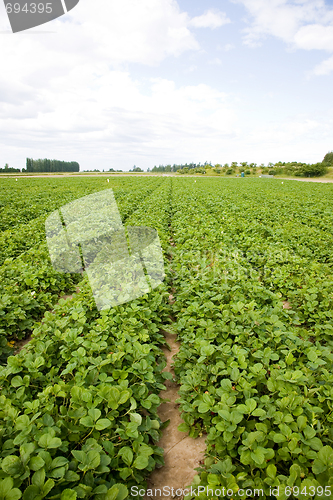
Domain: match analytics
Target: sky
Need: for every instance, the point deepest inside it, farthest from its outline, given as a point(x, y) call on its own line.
point(118, 83)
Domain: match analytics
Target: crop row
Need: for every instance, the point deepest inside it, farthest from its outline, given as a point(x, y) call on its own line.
point(256, 377)
point(251, 274)
point(19, 238)
point(26, 199)
point(78, 404)
point(29, 285)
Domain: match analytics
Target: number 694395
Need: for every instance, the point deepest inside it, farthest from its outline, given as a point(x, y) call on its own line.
point(32, 8)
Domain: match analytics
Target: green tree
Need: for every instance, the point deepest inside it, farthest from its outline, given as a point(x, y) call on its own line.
point(328, 158)
point(47, 165)
point(314, 170)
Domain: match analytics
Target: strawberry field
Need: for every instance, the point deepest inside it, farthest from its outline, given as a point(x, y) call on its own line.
point(249, 265)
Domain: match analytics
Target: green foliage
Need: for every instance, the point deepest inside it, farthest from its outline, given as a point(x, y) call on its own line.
point(257, 378)
point(79, 402)
point(28, 287)
point(7, 169)
point(304, 169)
point(78, 406)
point(328, 158)
point(315, 170)
point(47, 165)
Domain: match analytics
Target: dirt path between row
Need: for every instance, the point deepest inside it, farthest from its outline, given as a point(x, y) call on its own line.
point(182, 454)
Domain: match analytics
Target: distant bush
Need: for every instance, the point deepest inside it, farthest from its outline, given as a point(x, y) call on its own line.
point(276, 171)
point(248, 172)
point(9, 170)
point(328, 158)
point(230, 171)
point(304, 169)
point(315, 170)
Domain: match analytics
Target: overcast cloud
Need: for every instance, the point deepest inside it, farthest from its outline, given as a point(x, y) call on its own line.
point(160, 81)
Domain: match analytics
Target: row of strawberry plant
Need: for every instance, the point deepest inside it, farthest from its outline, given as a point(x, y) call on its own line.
point(26, 199)
point(304, 277)
point(20, 238)
point(29, 284)
point(79, 405)
point(249, 378)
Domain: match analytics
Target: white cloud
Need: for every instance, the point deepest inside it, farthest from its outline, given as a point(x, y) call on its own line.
point(324, 68)
point(70, 95)
point(72, 91)
point(100, 115)
point(215, 62)
point(228, 46)
point(315, 36)
point(294, 138)
point(210, 19)
point(190, 69)
point(117, 32)
point(302, 23)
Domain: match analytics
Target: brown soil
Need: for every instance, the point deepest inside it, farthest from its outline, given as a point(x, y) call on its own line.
point(19, 344)
point(182, 454)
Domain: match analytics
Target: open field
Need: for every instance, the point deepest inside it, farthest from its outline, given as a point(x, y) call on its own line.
point(328, 177)
point(249, 294)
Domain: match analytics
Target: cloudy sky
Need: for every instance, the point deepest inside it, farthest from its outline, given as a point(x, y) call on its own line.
point(117, 83)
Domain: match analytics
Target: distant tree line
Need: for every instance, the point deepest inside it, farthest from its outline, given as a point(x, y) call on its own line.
point(175, 168)
point(293, 168)
point(47, 165)
point(136, 169)
point(8, 169)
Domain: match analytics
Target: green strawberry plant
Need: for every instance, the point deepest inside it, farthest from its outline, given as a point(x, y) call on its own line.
point(79, 403)
point(250, 268)
point(255, 377)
